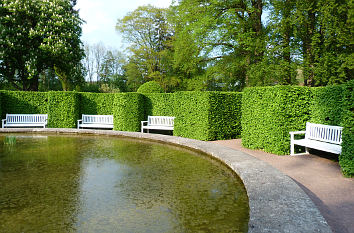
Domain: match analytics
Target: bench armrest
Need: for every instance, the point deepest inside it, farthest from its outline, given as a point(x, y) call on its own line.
point(292, 138)
point(3, 123)
point(297, 132)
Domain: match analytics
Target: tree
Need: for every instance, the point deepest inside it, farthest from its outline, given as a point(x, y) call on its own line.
point(88, 62)
point(149, 34)
point(112, 65)
point(224, 37)
point(323, 31)
point(37, 35)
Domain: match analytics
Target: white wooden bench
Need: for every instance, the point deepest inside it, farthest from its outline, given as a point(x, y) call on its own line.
point(320, 137)
point(25, 120)
point(158, 122)
point(95, 121)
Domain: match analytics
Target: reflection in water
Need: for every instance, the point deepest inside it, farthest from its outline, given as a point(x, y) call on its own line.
point(105, 184)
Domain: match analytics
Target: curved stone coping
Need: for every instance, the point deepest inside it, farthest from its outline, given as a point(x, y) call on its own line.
point(277, 203)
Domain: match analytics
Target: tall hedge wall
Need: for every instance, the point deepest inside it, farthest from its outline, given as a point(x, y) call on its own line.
point(207, 115)
point(159, 104)
point(63, 109)
point(270, 113)
point(96, 103)
point(346, 159)
point(128, 111)
point(225, 115)
point(192, 115)
point(334, 105)
point(18, 102)
point(327, 105)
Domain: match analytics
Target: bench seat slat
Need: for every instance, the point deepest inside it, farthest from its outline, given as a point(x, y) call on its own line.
point(25, 120)
point(158, 123)
point(96, 121)
point(158, 127)
point(318, 145)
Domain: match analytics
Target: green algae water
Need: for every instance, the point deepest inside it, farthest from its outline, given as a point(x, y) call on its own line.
point(106, 184)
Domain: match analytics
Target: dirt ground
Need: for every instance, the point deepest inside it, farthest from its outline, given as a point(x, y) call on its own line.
point(320, 178)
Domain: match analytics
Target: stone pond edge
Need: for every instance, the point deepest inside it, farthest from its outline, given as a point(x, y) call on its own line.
point(277, 203)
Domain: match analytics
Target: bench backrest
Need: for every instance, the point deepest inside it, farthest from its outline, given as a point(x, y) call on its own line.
point(97, 119)
point(324, 133)
point(161, 120)
point(26, 118)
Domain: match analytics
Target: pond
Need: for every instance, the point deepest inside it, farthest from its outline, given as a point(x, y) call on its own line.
point(67, 183)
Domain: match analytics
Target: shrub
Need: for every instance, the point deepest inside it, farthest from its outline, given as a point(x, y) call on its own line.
point(63, 109)
point(128, 111)
point(270, 113)
point(207, 115)
point(159, 104)
point(346, 159)
point(24, 102)
point(96, 103)
point(150, 87)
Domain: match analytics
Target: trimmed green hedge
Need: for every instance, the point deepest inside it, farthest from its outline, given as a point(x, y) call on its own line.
point(128, 111)
point(192, 115)
point(207, 115)
point(225, 115)
point(63, 109)
point(20, 102)
point(327, 105)
point(159, 104)
point(346, 159)
point(96, 103)
point(333, 105)
point(270, 113)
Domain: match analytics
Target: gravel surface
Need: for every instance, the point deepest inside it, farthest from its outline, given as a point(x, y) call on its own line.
point(321, 180)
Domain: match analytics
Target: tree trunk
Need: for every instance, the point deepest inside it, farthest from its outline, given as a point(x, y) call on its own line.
point(286, 41)
point(256, 17)
point(308, 52)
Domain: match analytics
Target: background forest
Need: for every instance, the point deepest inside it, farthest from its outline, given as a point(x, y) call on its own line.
point(192, 45)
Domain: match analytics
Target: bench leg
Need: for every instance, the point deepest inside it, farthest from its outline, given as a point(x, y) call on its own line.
point(307, 150)
point(292, 148)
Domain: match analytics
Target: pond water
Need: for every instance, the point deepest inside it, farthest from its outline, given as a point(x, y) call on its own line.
point(57, 183)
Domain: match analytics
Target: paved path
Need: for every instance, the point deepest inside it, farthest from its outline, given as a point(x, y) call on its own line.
point(320, 178)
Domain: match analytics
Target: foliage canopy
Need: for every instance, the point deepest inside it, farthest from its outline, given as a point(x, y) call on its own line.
point(37, 35)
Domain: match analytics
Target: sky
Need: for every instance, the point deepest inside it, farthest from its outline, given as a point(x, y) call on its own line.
point(101, 17)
